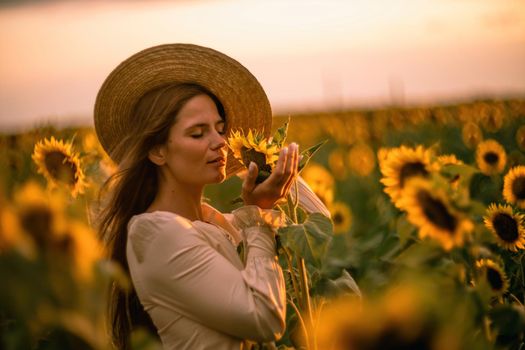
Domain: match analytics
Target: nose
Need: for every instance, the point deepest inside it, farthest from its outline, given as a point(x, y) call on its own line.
point(218, 142)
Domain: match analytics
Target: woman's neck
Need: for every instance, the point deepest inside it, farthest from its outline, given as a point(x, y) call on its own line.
point(180, 199)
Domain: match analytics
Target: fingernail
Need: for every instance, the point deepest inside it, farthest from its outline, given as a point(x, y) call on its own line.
point(251, 166)
point(285, 150)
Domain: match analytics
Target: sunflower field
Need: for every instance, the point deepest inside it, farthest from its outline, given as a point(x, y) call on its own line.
point(425, 247)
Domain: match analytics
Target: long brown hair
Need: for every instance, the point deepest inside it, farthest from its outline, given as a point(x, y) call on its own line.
point(131, 190)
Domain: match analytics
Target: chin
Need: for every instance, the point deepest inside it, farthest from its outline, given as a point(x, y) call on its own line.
point(218, 178)
point(221, 178)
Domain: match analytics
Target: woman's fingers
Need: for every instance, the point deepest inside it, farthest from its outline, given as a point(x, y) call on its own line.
point(294, 164)
point(285, 168)
point(249, 181)
point(277, 185)
point(276, 178)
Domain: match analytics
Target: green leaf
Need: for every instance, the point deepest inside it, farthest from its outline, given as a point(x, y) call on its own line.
point(309, 239)
point(420, 254)
point(508, 319)
point(389, 247)
point(485, 189)
point(280, 134)
point(308, 153)
point(345, 284)
point(405, 230)
point(465, 172)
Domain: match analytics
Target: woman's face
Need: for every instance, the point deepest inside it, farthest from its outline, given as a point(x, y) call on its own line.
point(195, 152)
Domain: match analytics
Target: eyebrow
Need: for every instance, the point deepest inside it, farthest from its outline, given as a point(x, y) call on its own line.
point(200, 125)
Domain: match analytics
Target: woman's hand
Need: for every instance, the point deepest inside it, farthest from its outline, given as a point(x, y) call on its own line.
point(277, 185)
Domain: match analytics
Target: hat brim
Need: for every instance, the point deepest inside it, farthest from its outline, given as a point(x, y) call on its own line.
point(244, 100)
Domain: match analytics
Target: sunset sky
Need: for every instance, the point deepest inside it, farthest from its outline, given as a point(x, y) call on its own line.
point(308, 55)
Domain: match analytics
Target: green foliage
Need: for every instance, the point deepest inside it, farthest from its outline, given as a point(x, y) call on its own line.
point(310, 239)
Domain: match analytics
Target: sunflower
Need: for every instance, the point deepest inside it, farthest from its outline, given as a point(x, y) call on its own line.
point(401, 164)
point(39, 213)
point(30, 223)
point(336, 163)
point(85, 249)
point(338, 130)
point(253, 147)
point(418, 116)
point(490, 157)
point(430, 210)
point(13, 237)
point(402, 318)
point(471, 134)
point(382, 155)
point(361, 159)
point(358, 125)
point(492, 117)
point(493, 275)
point(59, 164)
point(379, 122)
point(506, 226)
point(341, 217)
point(90, 142)
point(514, 186)
point(320, 181)
point(441, 116)
point(448, 159)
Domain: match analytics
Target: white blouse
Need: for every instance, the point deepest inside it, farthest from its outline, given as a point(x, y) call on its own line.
point(199, 293)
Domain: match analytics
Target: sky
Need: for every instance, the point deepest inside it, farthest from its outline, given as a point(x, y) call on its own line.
point(308, 55)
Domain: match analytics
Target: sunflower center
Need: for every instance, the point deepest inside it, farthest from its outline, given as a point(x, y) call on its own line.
point(436, 212)
point(60, 168)
point(506, 227)
point(491, 158)
point(518, 188)
point(410, 170)
point(250, 155)
point(338, 218)
point(494, 278)
point(36, 221)
point(64, 244)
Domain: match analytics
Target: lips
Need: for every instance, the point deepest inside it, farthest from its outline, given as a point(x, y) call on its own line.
point(219, 160)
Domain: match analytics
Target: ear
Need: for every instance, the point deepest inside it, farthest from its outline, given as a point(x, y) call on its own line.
point(157, 155)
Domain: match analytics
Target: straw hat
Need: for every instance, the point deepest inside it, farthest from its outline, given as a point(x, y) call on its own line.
point(244, 100)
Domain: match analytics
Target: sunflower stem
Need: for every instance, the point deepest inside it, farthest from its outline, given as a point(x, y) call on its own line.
point(486, 328)
point(307, 307)
point(296, 199)
point(295, 284)
point(292, 210)
point(319, 304)
point(515, 298)
point(522, 272)
point(301, 320)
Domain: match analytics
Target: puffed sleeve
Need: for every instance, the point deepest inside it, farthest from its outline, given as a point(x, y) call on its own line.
point(182, 271)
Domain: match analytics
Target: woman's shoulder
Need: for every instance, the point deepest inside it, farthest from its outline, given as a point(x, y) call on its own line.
point(165, 228)
point(157, 222)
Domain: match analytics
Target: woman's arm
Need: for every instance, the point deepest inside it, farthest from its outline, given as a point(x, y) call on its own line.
point(180, 270)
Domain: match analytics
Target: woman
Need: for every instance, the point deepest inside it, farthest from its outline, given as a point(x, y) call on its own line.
point(163, 115)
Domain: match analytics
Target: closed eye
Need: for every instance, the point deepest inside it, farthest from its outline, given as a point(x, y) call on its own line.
point(200, 129)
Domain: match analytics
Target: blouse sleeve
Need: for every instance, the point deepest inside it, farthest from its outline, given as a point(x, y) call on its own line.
point(182, 271)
